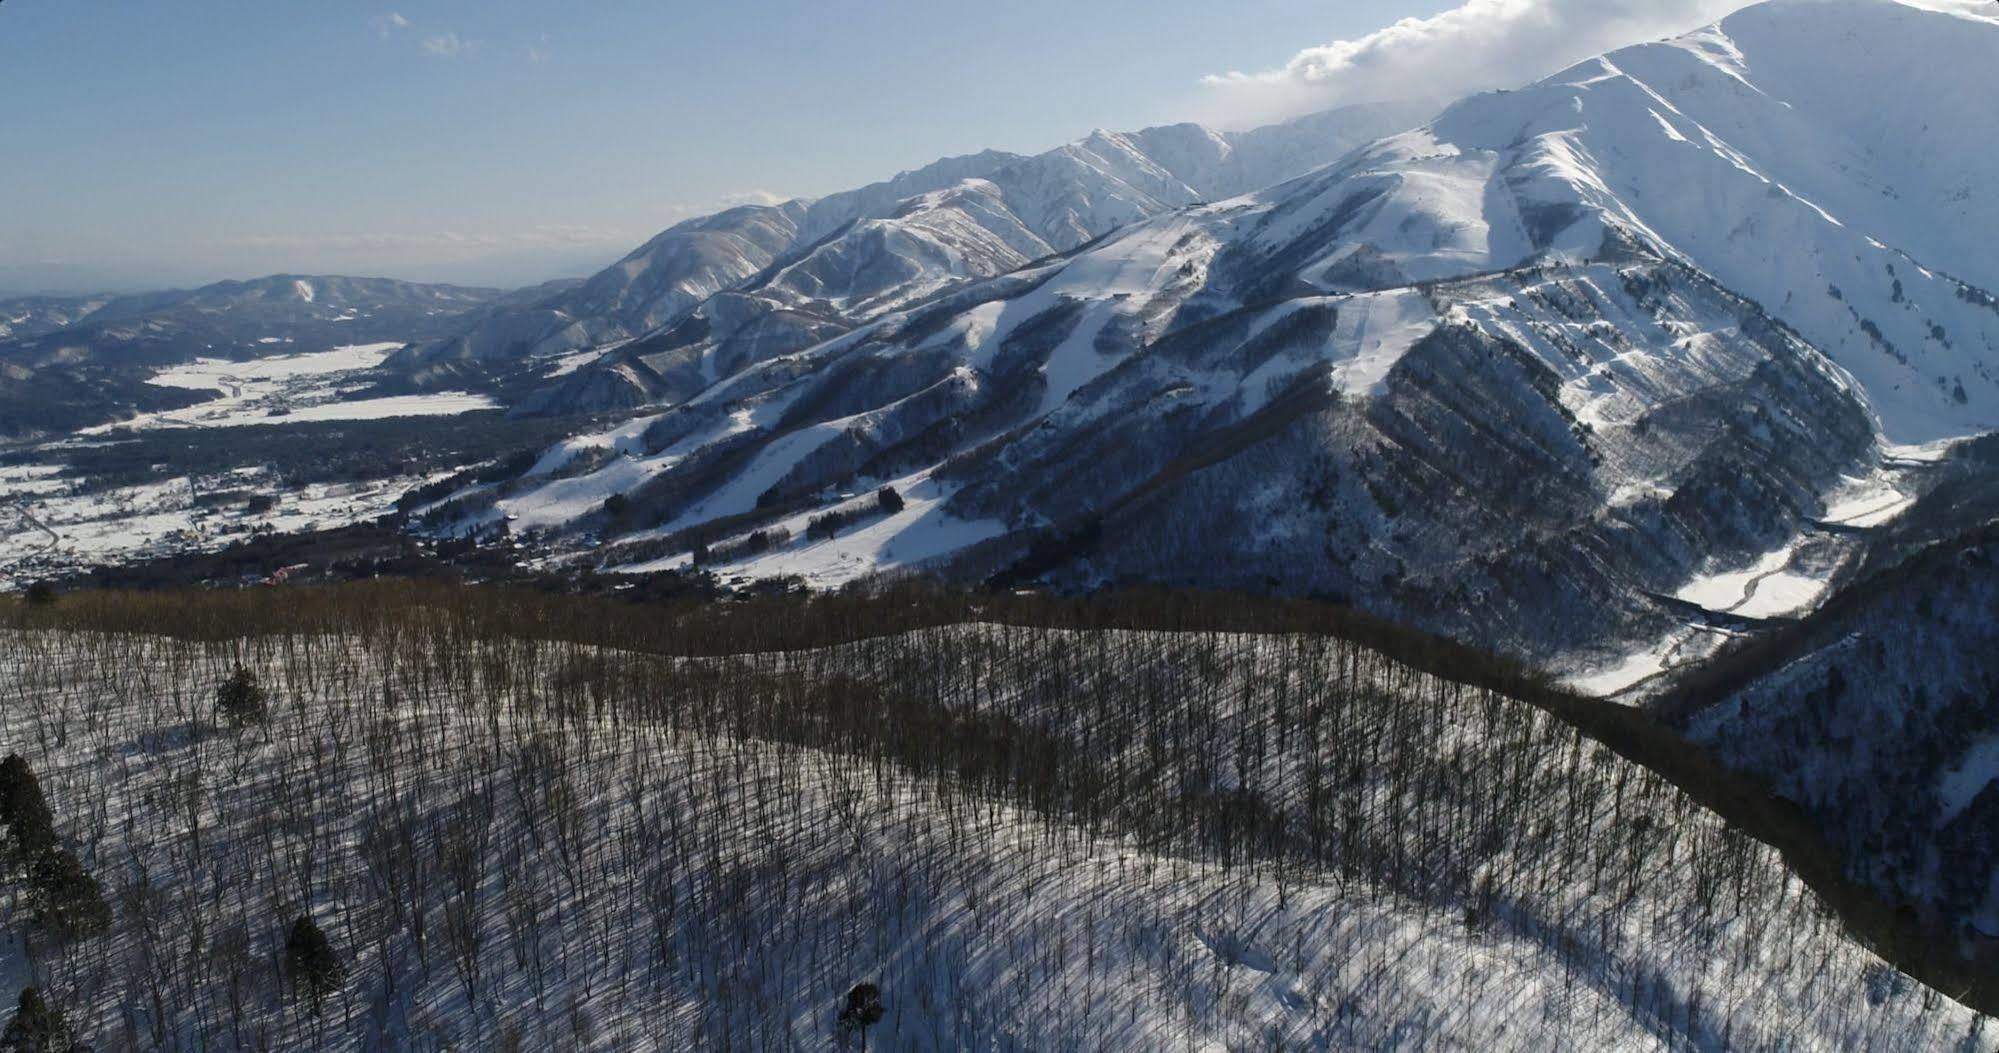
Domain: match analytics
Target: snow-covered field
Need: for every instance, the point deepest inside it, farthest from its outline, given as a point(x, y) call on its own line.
point(1648, 665)
point(1089, 841)
point(48, 530)
point(289, 388)
point(21, 480)
point(1767, 589)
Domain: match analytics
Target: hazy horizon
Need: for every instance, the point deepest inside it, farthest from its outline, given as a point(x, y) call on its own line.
point(506, 145)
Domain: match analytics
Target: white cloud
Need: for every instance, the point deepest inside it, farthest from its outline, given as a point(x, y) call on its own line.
point(1482, 45)
point(726, 202)
point(449, 46)
point(443, 45)
point(752, 197)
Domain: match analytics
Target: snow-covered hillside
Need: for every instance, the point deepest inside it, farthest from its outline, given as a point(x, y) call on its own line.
point(1060, 840)
point(1880, 715)
point(1526, 374)
point(800, 271)
point(29, 316)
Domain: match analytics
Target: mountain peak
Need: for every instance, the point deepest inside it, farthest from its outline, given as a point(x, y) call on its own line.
point(1663, 302)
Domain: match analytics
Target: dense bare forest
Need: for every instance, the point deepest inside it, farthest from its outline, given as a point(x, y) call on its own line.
point(430, 817)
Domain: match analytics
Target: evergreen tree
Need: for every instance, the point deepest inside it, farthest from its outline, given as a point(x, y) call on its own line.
point(37, 1027)
point(309, 957)
point(30, 824)
point(241, 699)
point(863, 1010)
point(890, 501)
point(70, 900)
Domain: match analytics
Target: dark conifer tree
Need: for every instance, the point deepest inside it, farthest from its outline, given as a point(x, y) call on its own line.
point(309, 958)
point(37, 1027)
point(30, 825)
point(241, 699)
point(863, 1010)
point(70, 900)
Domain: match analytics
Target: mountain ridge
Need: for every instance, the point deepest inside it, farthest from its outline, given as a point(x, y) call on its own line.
point(1505, 309)
point(1037, 205)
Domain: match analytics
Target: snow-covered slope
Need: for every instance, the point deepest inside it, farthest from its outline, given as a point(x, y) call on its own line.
point(1829, 159)
point(1880, 715)
point(844, 258)
point(1523, 374)
point(1077, 841)
point(29, 316)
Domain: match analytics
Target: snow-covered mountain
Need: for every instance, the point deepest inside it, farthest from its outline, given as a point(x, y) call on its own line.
point(1520, 374)
point(802, 269)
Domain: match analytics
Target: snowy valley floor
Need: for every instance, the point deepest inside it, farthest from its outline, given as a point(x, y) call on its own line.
point(1030, 838)
point(1786, 583)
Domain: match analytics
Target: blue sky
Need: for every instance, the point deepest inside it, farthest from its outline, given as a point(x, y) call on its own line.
point(155, 141)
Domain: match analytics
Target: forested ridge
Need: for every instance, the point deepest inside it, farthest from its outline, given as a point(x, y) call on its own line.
point(519, 820)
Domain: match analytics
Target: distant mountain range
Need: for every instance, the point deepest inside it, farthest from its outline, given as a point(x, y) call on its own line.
point(1532, 372)
point(67, 363)
point(1521, 374)
point(718, 293)
point(228, 319)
